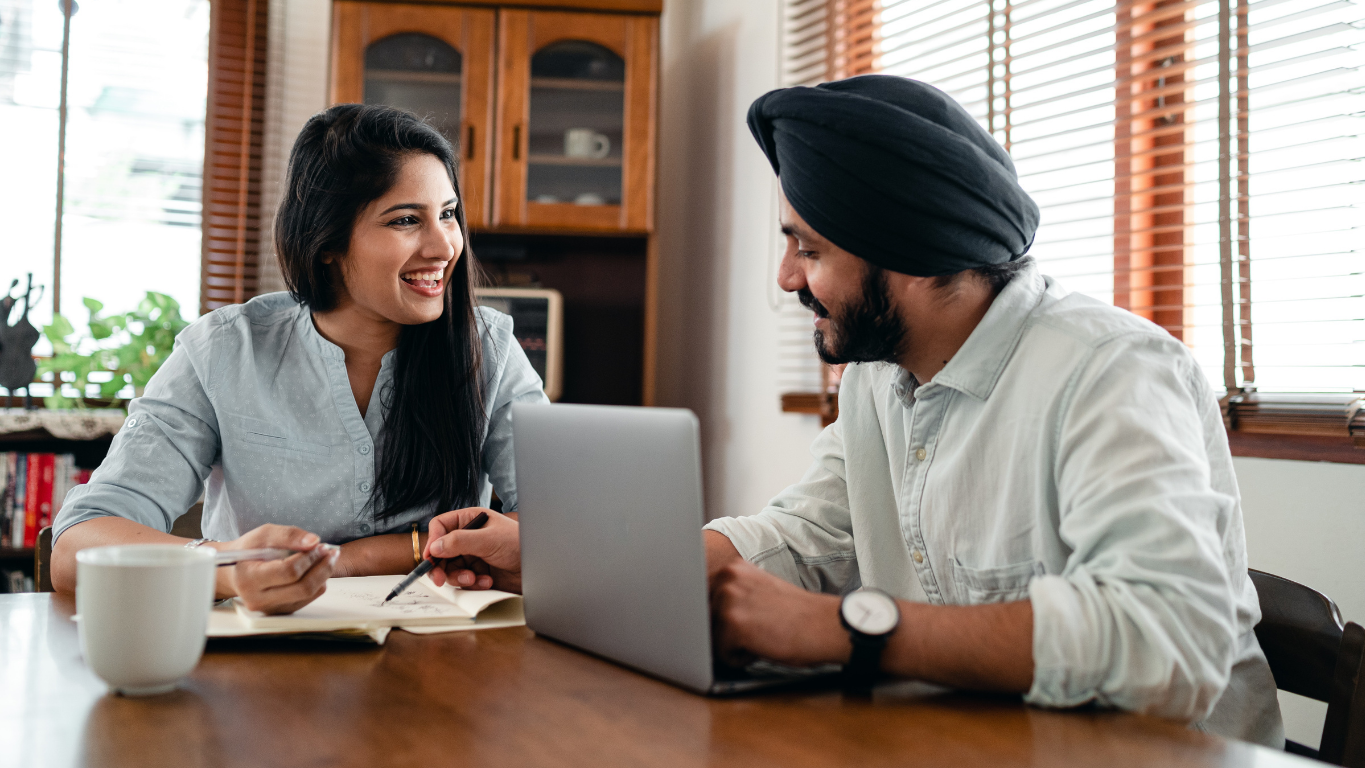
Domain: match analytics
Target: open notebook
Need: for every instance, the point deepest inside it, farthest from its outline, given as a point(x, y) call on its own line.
point(356, 604)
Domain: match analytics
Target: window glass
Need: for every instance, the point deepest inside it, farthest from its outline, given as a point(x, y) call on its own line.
point(138, 72)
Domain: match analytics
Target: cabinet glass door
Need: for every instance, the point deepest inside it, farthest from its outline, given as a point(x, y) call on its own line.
point(576, 125)
point(576, 111)
point(434, 61)
point(418, 73)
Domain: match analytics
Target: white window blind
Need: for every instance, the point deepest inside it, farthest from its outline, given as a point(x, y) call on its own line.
point(134, 144)
point(821, 40)
point(1196, 161)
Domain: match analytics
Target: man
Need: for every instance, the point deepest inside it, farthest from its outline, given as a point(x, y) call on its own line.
point(1038, 484)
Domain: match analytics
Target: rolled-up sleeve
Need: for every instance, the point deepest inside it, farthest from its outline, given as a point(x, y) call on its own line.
point(804, 535)
point(1142, 617)
point(158, 461)
point(513, 380)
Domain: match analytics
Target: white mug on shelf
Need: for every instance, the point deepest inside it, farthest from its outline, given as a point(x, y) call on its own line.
point(143, 613)
point(586, 143)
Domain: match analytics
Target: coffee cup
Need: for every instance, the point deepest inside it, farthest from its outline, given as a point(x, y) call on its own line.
point(143, 613)
point(586, 143)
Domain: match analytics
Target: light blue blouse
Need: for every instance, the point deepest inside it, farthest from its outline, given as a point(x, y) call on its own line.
point(254, 409)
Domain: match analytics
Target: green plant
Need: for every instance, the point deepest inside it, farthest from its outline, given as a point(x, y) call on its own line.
point(130, 346)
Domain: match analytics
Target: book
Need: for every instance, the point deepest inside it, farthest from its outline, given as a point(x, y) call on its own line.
point(29, 462)
point(15, 500)
point(46, 486)
point(356, 603)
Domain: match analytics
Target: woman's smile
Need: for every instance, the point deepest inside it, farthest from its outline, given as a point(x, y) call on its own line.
point(426, 282)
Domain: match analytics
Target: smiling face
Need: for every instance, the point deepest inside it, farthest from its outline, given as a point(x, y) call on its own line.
point(855, 318)
point(403, 247)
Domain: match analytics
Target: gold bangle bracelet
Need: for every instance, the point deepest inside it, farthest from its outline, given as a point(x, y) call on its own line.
point(416, 545)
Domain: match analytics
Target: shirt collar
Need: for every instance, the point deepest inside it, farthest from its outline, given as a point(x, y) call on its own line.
point(977, 366)
point(320, 345)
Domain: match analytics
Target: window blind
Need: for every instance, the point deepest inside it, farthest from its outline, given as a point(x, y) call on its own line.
point(821, 40)
point(1196, 162)
point(233, 154)
point(1179, 151)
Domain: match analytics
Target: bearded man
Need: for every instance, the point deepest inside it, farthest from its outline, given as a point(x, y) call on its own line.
point(1026, 490)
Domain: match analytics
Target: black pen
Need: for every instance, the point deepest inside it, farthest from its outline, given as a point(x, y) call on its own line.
point(426, 565)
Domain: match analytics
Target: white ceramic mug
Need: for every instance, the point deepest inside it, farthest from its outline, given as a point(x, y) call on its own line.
point(143, 613)
point(585, 142)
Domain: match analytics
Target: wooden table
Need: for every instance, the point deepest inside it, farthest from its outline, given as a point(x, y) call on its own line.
point(508, 698)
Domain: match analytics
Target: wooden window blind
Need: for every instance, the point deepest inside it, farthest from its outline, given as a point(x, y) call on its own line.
point(233, 152)
point(1196, 162)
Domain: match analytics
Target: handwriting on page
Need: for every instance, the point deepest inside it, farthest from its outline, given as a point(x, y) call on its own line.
point(413, 602)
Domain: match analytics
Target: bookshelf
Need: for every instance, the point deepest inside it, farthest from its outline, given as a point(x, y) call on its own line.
point(87, 454)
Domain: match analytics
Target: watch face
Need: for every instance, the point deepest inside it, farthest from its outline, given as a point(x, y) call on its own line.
point(872, 613)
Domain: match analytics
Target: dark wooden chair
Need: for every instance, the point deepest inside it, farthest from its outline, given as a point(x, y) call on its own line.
point(1313, 654)
point(187, 525)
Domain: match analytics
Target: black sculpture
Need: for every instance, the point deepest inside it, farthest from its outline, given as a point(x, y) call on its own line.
point(17, 366)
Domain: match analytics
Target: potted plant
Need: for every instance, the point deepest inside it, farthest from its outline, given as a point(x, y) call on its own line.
point(130, 346)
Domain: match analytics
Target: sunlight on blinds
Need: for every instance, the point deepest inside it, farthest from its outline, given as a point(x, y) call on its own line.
point(1112, 114)
point(804, 62)
point(1306, 106)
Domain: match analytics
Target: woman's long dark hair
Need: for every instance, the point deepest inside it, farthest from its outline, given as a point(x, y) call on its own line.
point(431, 447)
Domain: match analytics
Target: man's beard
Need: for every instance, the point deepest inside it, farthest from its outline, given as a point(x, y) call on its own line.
point(868, 331)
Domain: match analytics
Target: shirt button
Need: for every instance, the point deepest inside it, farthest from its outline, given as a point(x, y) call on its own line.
point(364, 527)
point(364, 450)
point(918, 557)
point(920, 454)
point(364, 487)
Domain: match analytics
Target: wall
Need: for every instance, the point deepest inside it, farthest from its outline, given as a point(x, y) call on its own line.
point(1304, 521)
point(300, 40)
point(717, 236)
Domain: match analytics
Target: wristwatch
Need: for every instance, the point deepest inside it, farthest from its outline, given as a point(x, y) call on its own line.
point(870, 616)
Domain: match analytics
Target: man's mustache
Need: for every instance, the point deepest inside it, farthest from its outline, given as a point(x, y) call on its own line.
point(809, 301)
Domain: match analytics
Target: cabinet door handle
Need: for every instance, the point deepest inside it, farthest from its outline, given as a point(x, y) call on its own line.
point(516, 142)
point(469, 143)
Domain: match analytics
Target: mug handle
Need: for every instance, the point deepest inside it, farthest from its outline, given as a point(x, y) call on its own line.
point(601, 146)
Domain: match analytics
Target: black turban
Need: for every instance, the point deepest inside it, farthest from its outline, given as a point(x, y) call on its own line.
point(894, 171)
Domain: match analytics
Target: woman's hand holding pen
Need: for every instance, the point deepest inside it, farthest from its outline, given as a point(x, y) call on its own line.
point(278, 586)
point(486, 558)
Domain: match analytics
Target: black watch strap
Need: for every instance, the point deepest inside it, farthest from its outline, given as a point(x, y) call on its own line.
point(865, 663)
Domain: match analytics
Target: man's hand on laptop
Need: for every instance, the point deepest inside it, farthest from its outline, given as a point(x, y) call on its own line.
point(757, 614)
point(485, 558)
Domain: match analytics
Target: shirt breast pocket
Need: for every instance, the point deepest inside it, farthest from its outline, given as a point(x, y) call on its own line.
point(269, 438)
point(999, 584)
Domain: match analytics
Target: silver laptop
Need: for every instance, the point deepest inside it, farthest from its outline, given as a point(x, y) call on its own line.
point(610, 503)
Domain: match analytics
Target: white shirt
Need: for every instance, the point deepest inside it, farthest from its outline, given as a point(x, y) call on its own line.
point(254, 409)
point(1071, 454)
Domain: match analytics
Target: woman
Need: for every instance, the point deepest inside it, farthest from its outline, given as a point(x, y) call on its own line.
point(352, 409)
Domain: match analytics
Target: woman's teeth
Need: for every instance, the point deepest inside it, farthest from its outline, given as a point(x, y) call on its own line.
point(423, 279)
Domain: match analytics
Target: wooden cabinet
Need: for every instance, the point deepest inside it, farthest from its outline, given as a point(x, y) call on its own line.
point(436, 61)
point(553, 106)
point(574, 115)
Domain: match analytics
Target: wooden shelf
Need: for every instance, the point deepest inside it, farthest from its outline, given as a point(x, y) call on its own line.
point(11, 555)
point(587, 162)
point(575, 84)
point(407, 76)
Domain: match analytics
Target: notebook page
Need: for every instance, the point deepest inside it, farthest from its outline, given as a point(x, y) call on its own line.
point(359, 601)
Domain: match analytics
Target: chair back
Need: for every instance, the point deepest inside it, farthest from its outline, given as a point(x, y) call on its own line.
point(187, 525)
point(1312, 654)
point(1300, 632)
